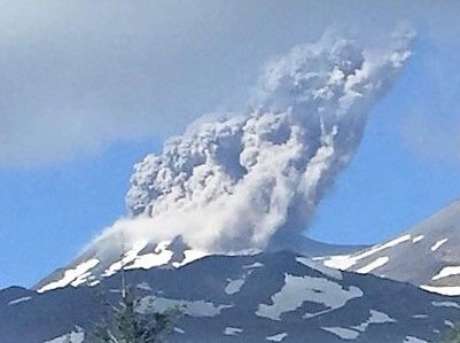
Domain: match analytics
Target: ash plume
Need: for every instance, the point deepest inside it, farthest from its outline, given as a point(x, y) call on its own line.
point(239, 181)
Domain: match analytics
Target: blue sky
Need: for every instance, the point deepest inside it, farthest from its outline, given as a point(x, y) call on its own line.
point(87, 91)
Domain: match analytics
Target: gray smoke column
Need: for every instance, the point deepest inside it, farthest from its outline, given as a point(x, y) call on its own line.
point(232, 183)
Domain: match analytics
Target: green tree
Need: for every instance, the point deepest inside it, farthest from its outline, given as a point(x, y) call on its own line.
point(127, 325)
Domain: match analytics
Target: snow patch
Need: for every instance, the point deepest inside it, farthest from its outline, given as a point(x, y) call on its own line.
point(254, 265)
point(418, 238)
point(144, 286)
point(341, 262)
point(297, 290)
point(447, 271)
point(75, 276)
point(179, 330)
point(375, 318)
point(277, 338)
point(412, 339)
point(234, 286)
point(230, 331)
point(19, 300)
point(444, 290)
point(94, 283)
point(198, 308)
point(449, 324)
point(377, 263)
point(445, 304)
point(128, 257)
point(72, 337)
point(334, 273)
point(420, 316)
point(438, 244)
point(342, 333)
point(190, 256)
point(159, 257)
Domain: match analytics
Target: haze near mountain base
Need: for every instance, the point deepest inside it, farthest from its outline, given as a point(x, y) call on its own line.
point(243, 181)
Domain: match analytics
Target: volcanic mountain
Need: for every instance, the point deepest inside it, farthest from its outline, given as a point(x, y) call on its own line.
point(215, 223)
point(268, 297)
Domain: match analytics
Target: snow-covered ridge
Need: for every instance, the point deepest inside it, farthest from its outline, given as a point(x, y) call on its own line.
point(426, 255)
point(90, 272)
point(345, 262)
point(75, 276)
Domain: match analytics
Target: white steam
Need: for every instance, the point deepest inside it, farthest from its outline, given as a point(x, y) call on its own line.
point(233, 183)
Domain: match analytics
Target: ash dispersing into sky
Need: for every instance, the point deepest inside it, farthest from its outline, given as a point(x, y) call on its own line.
point(231, 183)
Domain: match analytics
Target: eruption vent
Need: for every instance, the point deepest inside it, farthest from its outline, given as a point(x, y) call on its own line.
point(244, 180)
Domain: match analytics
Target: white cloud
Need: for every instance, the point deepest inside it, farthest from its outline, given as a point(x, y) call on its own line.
point(77, 75)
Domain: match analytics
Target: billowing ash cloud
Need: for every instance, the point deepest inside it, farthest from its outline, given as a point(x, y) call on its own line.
point(232, 183)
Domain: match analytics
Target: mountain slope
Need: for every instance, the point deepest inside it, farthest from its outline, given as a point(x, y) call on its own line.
point(96, 264)
point(269, 297)
point(427, 255)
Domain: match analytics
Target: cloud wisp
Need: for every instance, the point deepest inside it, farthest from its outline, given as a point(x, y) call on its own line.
point(232, 183)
